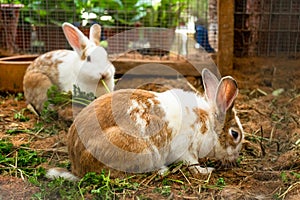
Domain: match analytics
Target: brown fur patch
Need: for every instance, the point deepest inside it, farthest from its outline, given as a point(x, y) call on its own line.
point(83, 55)
point(230, 122)
point(202, 117)
point(136, 94)
point(105, 125)
point(144, 100)
point(39, 76)
point(45, 64)
point(36, 86)
point(116, 106)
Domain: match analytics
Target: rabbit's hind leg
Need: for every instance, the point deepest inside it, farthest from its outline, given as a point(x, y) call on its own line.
point(35, 87)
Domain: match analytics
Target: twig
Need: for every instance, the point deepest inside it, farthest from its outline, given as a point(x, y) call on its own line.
point(62, 150)
point(50, 159)
point(21, 174)
point(292, 99)
point(171, 196)
point(35, 135)
point(273, 74)
point(289, 189)
point(260, 112)
point(262, 92)
point(176, 168)
point(193, 88)
point(208, 178)
point(151, 178)
point(294, 118)
point(261, 142)
point(259, 91)
point(271, 135)
point(185, 177)
point(186, 197)
point(16, 164)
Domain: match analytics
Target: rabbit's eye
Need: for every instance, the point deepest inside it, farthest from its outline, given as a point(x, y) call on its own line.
point(88, 58)
point(234, 134)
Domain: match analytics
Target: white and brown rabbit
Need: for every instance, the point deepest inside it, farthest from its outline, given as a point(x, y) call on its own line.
point(84, 67)
point(139, 131)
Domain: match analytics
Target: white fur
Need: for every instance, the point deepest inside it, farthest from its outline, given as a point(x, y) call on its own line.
point(179, 106)
point(238, 122)
point(55, 173)
point(67, 71)
point(140, 122)
point(82, 73)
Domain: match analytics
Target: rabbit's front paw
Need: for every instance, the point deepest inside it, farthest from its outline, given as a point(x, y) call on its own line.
point(164, 170)
point(201, 170)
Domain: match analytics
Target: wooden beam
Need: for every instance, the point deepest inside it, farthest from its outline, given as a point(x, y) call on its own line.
point(155, 67)
point(144, 67)
point(225, 35)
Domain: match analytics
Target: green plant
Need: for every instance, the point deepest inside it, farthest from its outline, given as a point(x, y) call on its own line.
point(239, 160)
point(20, 116)
point(83, 98)
point(122, 12)
point(296, 175)
point(10, 2)
point(48, 12)
point(164, 190)
point(220, 183)
point(19, 96)
point(125, 12)
point(165, 13)
point(284, 177)
point(56, 189)
point(102, 186)
point(59, 99)
point(97, 186)
point(5, 148)
point(19, 160)
point(16, 130)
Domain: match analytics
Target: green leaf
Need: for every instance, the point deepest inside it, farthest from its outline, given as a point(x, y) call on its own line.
point(277, 92)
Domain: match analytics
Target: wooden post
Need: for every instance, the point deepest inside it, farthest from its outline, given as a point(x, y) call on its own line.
point(225, 35)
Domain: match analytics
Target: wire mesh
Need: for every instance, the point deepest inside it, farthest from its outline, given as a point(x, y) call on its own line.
point(38, 29)
point(267, 27)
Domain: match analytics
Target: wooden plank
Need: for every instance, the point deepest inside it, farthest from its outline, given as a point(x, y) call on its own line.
point(162, 67)
point(154, 67)
point(225, 35)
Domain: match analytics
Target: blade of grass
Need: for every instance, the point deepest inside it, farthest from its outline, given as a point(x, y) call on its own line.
point(106, 87)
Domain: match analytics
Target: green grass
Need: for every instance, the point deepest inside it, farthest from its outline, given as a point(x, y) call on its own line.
point(99, 186)
point(20, 116)
point(19, 160)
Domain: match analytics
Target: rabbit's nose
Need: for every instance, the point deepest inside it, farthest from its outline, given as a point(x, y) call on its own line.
point(104, 76)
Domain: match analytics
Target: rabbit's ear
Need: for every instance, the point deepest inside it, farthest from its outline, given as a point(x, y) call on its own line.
point(210, 83)
point(95, 34)
point(226, 93)
point(75, 37)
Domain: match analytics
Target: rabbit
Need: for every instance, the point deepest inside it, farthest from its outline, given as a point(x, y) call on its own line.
point(137, 131)
point(85, 66)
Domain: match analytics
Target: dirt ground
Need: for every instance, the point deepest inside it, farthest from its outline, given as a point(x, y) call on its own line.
point(269, 108)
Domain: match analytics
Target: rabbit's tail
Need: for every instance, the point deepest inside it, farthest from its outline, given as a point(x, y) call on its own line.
point(54, 173)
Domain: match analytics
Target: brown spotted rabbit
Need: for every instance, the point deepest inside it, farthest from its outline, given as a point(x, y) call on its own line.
point(84, 67)
point(138, 131)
